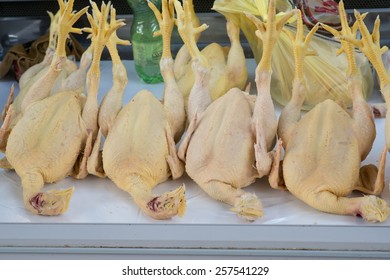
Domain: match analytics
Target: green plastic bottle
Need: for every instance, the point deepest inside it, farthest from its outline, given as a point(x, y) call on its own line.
point(147, 49)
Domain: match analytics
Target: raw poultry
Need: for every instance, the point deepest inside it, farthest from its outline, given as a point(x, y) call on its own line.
point(369, 44)
point(139, 151)
point(111, 103)
point(228, 144)
point(324, 148)
point(46, 142)
point(39, 81)
point(228, 63)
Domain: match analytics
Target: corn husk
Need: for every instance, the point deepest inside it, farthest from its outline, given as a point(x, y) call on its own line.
point(325, 73)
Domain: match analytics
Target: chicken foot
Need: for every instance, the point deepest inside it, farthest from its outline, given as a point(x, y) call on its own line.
point(369, 44)
point(183, 56)
point(42, 88)
point(173, 99)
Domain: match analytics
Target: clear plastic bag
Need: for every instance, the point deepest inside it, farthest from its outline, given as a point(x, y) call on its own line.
point(325, 11)
point(325, 74)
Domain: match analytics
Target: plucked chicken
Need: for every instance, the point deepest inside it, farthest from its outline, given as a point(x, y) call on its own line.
point(38, 83)
point(324, 148)
point(229, 64)
point(139, 151)
point(228, 144)
point(369, 44)
point(46, 142)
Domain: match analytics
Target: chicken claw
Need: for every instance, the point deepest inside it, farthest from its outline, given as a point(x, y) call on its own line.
point(186, 29)
point(67, 19)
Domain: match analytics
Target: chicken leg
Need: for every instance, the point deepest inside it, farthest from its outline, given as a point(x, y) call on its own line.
point(112, 101)
point(370, 46)
point(101, 32)
point(42, 88)
point(173, 98)
point(264, 121)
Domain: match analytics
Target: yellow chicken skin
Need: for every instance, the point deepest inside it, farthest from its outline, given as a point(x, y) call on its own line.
point(324, 148)
point(229, 144)
point(45, 144)
point(136, 156)
point(139, 151)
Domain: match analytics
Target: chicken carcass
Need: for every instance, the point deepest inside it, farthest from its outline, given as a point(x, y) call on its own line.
point(139, 151)
point(229, 64)
point(228, 145)
point(46, 142)
point(369, 44)
point(324, 148)
point(38, 83)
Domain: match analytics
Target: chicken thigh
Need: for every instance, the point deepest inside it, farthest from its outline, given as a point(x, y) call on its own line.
point(139, 151)
point(228, 145)
point(324, 148)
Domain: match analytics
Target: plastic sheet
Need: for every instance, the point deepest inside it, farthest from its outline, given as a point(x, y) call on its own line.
point(99, 201)
point(325, 74)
